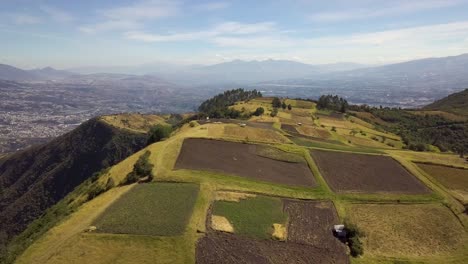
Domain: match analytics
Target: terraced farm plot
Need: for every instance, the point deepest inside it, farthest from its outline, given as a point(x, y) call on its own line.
point(308, 238)
point(160, 209)
point(455, 179)
point(253, 216)
point(313, 132)
point(242, 160)
point(254, 134)
point(289, 128)
point(418, 230)
point(311, 222)
point(219, 247)
point(349, 172)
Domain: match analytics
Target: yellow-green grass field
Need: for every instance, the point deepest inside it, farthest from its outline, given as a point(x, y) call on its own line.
point(139, 211)
point(300, 103)
point(252, 216)
point(134, 122)
point(253, 134)
point(416, 232)
point(454, 179)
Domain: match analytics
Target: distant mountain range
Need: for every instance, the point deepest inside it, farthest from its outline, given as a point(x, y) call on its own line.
point(11, 73)
point(408, 84)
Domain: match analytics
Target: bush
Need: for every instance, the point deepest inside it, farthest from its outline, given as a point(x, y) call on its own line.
point(259, 111)
point(276, 103)
point(333, 129)
point(274, 112)
point(355, 246)
point(417, 146)
point(95, 191)
point(289, 107)
point(142, 168)
point(375, 138)
point(353, 234)
point(158, 132)
point(193, 123)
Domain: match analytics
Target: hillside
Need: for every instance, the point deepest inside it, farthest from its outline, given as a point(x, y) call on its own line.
point(456, 103)
point(36, 178)
point(247, 190)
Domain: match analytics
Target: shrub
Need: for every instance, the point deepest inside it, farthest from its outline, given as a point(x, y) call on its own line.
point(158, 132)
point(259, 111)
point(375, 138)
point(333, 129)
point(353, 234)
point(289, 107)
point(274, 112)
point(193, 123)
point(417, 146)
point(276, 103)
point(283, 105)
point(142, 168)
point(95, 191)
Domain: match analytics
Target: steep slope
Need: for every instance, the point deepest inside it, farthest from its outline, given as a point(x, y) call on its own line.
point(456, 103)
point(35, 179)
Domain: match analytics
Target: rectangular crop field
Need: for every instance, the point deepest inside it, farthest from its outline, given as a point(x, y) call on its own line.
point(252, 216)
point(224, 248)
point(418, 230)
point(454, 179)
point(351, 172)
point(311, 222)
point(159, 209)
point(242, 160)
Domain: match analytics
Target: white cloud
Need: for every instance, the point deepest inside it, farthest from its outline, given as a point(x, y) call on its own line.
point(109, 26)
point(382, 9)
point(213, 6)
point(227, 28)
point(132, 16)
point(57, 14)
point(143, 10)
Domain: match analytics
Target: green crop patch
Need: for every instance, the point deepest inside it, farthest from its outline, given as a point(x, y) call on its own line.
point(159, 209)
point(252, 217)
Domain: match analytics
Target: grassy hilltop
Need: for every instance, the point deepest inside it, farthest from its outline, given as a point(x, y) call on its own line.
point(265, 187)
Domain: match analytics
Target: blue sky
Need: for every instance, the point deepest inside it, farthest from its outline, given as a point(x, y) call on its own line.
point(66, 34)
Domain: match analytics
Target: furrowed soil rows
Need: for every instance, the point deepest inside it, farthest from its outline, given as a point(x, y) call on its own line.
point(219, 247)
point(366, 173)
point(241, 159)
point(311, 222)
point(289, 128)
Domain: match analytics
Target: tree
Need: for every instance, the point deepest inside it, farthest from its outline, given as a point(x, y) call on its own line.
point(274, 112)
point(141, 168)
point(259, 111)
point(283, 105)
point(159, 132)
point(276, 103)
point(289, 107)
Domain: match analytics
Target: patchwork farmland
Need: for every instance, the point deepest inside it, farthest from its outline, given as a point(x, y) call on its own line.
point(227, 193)
point(305, 229)
point(349, 172)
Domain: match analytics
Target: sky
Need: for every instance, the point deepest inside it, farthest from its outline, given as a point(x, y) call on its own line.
point(68, 34)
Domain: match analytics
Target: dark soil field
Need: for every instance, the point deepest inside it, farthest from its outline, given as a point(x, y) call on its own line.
point(311, 222)
point(289, 128)
point(351, 172)
point(452, 178)
point(217, 247)
point(241, 159)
